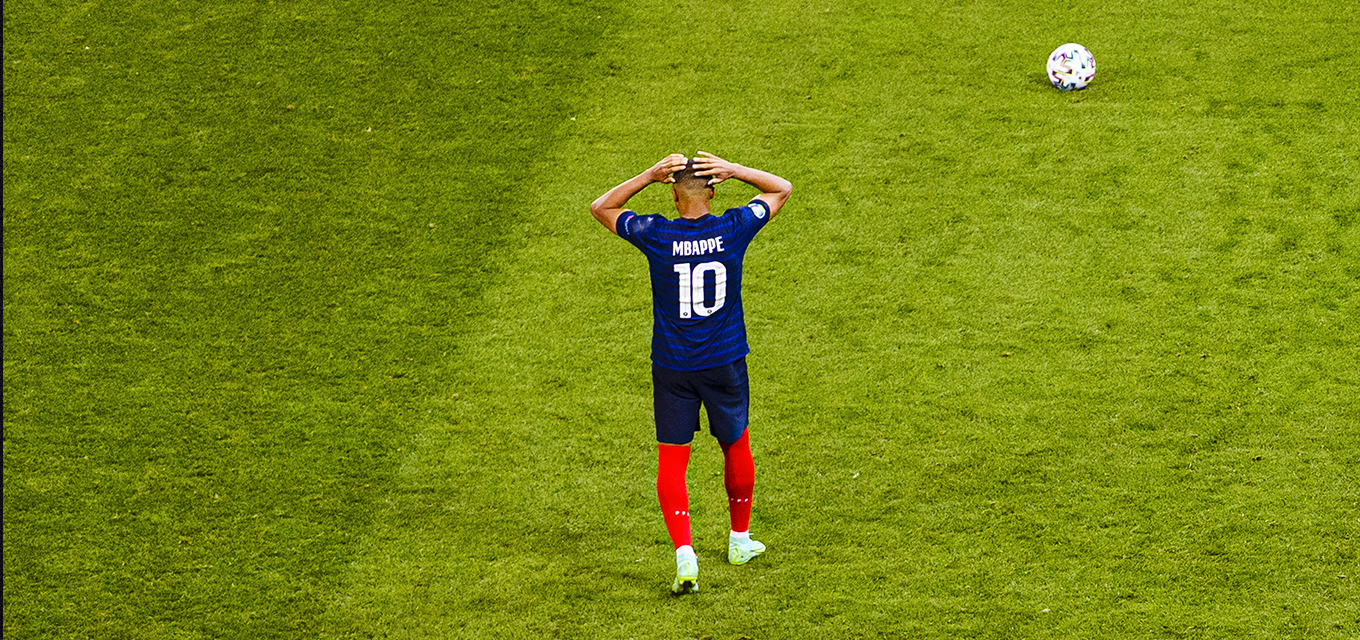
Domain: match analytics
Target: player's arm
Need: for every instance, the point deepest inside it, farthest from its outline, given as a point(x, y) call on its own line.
point(774, 190)
point(608, 207)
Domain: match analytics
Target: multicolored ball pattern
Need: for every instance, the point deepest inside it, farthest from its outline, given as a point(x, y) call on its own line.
point(1071, 67)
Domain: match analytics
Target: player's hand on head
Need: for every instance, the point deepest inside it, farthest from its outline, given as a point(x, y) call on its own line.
point(715, 167)
point(662, 170)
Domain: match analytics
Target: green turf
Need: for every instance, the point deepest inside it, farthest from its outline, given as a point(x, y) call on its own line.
point(308, 331)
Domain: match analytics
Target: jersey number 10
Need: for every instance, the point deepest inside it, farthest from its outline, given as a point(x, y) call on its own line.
point(692, 288)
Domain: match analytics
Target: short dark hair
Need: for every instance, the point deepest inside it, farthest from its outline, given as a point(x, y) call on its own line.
point(687, 181)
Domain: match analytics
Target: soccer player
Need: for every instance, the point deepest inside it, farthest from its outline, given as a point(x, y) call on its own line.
point(698, 333)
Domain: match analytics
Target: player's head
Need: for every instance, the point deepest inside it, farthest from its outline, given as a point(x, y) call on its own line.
point(689, 186)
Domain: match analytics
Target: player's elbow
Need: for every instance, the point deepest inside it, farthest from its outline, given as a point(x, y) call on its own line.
point(783, 190)
point(776, 195)
point(605, 215)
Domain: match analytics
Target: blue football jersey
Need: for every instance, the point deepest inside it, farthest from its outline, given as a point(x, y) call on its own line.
point(696, 283)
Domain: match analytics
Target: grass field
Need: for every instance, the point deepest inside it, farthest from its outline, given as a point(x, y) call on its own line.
point(308, 332)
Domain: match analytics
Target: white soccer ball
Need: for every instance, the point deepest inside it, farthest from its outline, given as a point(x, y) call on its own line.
point(1071, 67)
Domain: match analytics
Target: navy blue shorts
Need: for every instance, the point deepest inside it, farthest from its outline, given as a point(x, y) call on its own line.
point(676, 395)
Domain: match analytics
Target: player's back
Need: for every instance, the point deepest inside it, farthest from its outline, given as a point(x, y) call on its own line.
point(696, 272)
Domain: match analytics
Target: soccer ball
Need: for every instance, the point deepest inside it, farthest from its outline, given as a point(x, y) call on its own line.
point(1071, 67)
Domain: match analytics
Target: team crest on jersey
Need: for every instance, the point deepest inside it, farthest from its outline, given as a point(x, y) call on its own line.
point(758, 208)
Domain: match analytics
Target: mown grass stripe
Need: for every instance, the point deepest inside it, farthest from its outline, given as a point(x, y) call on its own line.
point(243, 246)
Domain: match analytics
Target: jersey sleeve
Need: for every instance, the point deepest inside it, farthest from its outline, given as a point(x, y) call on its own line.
point(633, 228)
point(627, 226)
point(749, 219)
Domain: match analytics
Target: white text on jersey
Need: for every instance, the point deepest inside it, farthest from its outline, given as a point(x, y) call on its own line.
point(696, 247)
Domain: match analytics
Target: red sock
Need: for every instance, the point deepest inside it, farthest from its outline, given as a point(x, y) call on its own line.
point(739, 474)
point(671, 492)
